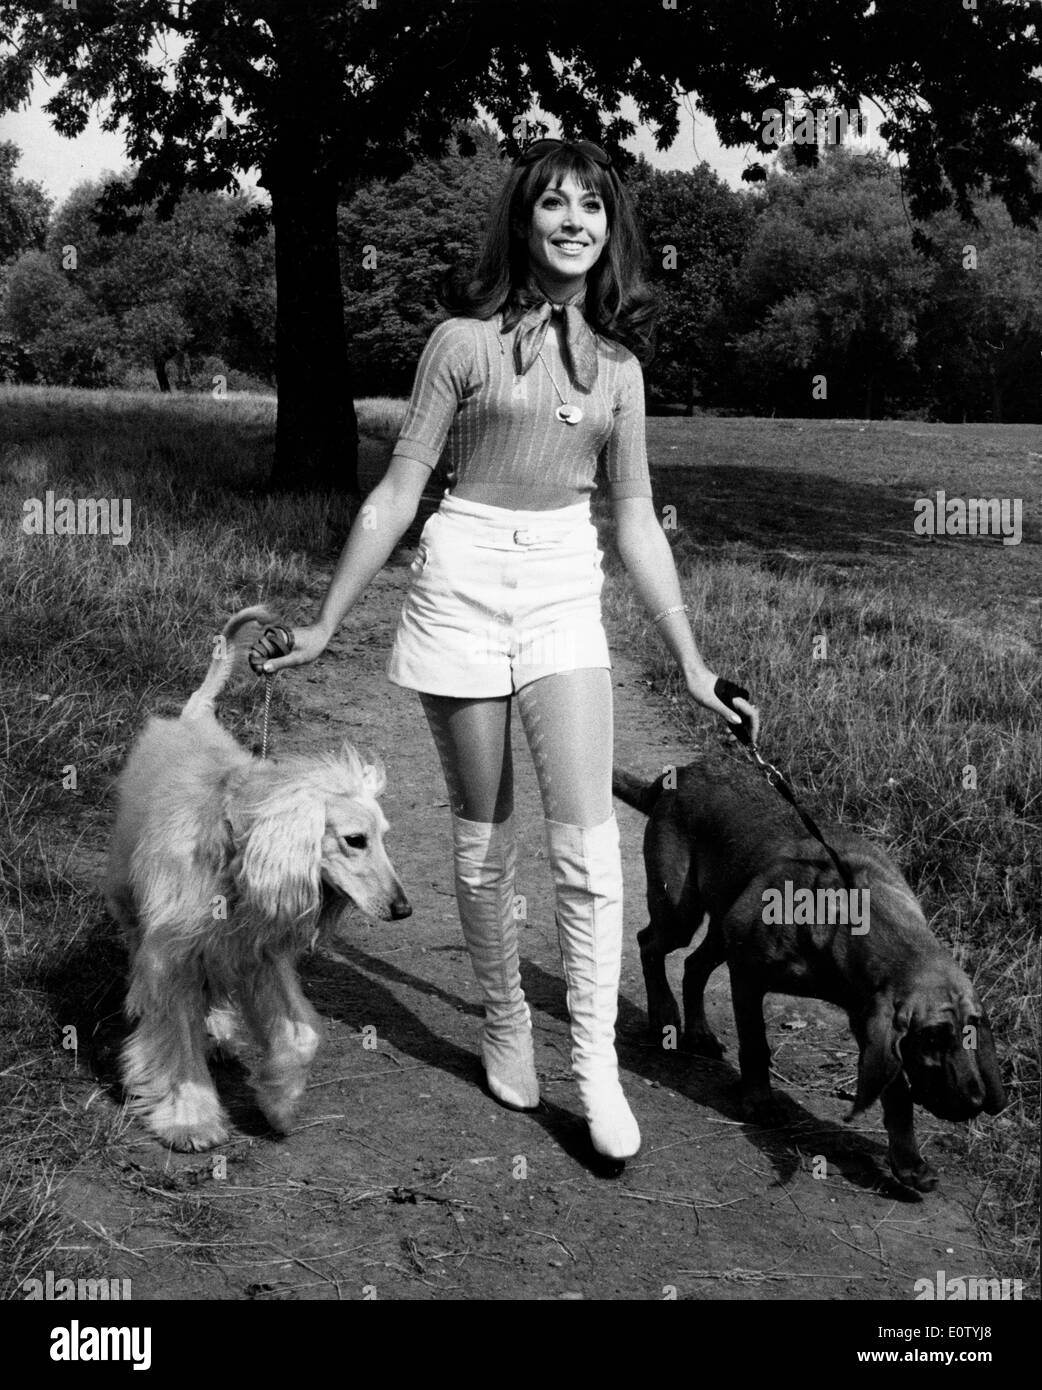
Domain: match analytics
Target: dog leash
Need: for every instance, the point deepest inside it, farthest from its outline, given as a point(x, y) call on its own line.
point(283, 638)
point(727, 692)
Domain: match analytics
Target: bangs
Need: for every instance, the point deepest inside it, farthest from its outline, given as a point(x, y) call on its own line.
point(552, 170)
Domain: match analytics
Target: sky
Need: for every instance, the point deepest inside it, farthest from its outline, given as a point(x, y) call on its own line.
point(60, 164)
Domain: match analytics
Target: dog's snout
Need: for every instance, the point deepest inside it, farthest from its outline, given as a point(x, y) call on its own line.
point(400, 907)
point(974, 1094)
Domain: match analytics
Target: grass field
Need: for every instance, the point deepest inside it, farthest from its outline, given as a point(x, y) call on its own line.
point(785, 533)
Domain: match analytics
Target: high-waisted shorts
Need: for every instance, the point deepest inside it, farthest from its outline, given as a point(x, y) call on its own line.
point(499, 598)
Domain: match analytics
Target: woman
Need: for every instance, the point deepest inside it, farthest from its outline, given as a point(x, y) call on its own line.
point(530, 382)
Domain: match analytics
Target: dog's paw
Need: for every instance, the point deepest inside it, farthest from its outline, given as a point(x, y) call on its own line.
point(760, 1108)
point(194, 1138)
point(189, 1119)
point(703, 1044)
point(279, 1110)
point(280, 1117)
point(919, 1176)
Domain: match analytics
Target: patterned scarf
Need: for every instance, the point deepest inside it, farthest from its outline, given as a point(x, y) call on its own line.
point(580, 346)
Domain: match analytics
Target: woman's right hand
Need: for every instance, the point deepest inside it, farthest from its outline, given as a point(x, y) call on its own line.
point(268, 654)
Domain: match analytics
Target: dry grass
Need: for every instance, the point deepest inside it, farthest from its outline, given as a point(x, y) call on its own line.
point(380, 417)
point(916, 687)
point(920, 681)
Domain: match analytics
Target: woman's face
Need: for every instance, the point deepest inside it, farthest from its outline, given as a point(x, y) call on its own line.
point(568, 232)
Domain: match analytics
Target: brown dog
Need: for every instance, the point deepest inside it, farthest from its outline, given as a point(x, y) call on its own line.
point(721, 841)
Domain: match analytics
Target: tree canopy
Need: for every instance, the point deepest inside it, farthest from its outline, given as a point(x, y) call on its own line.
point(957, 86)
point(814, 274)
point(24, 208)
point(324, 93)
point(92, 307)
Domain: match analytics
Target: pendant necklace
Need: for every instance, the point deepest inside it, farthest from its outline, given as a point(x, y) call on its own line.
point(568, 414)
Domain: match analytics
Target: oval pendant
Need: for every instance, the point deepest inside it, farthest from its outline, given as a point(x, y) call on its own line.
point(570, 414)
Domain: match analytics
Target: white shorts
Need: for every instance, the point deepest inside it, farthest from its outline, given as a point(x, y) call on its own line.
point(500, 598)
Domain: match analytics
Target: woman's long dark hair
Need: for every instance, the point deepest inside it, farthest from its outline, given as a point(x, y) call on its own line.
point(619, 303)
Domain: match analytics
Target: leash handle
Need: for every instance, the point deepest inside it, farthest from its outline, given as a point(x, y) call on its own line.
point(727, 692)
point(282, 638)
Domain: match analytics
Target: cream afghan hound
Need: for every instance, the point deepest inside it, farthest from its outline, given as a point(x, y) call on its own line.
point(223, 868)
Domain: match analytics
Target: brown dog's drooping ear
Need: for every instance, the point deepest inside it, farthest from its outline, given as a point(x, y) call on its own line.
point(879, 1035)
point(988, 1062)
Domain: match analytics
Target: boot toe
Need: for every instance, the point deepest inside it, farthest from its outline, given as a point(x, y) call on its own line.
point(510, 1072)
point(613, 1130)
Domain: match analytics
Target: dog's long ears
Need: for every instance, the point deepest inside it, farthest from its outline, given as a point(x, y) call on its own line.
point(278, 868)
point(988, 1062)
point(879, 1035)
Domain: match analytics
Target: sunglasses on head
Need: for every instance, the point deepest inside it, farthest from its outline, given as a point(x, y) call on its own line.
point(538, 148)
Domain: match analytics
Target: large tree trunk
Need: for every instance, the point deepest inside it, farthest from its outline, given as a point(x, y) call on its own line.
point(159, 367)
point(316, 434)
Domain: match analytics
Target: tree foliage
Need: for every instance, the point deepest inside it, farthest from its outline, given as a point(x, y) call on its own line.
point(981, 330)
point(696, 230)
point(831, 286)
point(399, 238)
point(95, 305)
point(24, 208)
point(834, 285)
point(321, 94)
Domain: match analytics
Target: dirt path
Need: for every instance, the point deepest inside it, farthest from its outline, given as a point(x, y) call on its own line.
point(405, 1180)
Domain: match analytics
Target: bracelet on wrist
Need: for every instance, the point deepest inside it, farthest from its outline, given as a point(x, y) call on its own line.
point(667, 612)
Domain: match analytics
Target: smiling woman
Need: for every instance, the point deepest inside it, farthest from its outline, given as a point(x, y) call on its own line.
point(533, 381)
point(568, 232)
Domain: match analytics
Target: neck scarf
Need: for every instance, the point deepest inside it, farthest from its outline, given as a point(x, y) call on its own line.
point(580, 344)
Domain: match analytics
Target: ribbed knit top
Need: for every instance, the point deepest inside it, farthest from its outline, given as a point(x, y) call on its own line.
point(505, 442)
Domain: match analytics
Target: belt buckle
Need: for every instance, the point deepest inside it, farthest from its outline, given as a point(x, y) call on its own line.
point(522, 537)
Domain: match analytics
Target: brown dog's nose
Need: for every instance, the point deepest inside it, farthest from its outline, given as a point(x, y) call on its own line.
point(400, 907)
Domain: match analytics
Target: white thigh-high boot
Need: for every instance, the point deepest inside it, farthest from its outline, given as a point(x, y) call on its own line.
point(485, 856)
point(587, 873)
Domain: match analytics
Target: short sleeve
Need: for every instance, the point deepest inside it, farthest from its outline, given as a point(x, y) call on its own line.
point(626, 452)
point(441, 380)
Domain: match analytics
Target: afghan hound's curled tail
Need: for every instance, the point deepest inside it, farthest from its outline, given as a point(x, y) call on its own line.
point(201, 703)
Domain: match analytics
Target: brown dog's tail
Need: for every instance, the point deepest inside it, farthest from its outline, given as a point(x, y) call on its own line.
point(201, 703)
point(634, 792)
